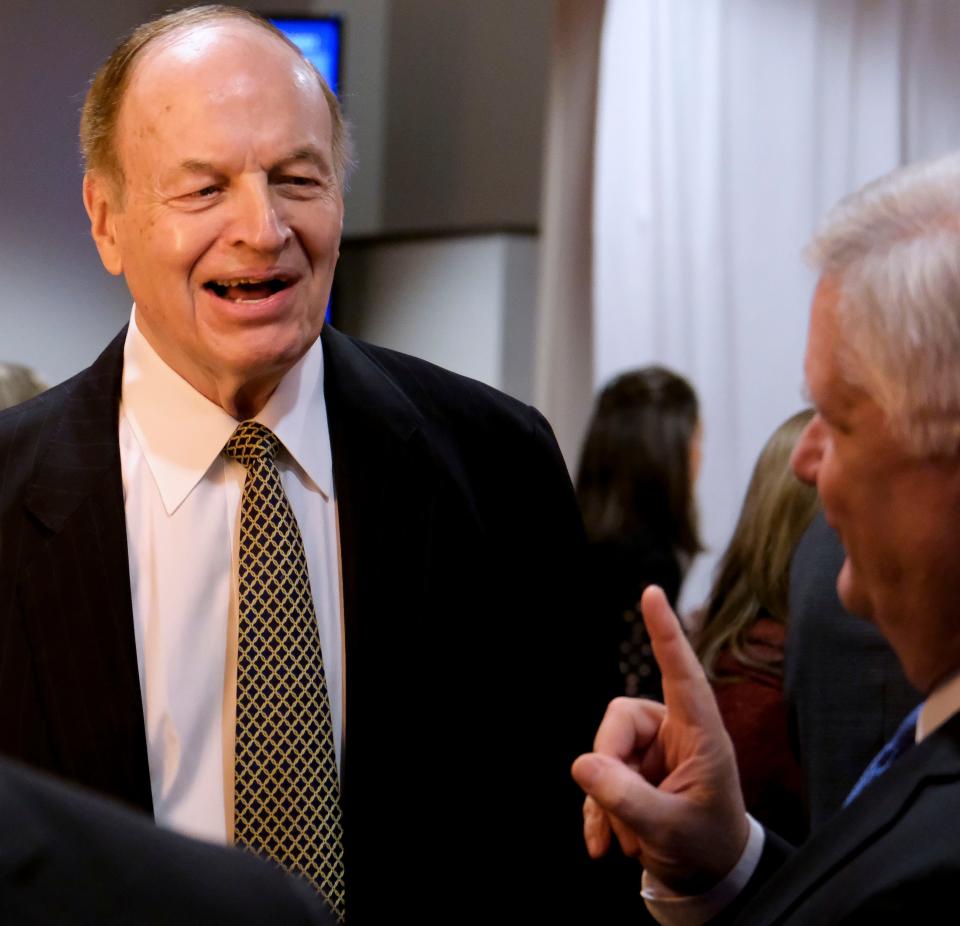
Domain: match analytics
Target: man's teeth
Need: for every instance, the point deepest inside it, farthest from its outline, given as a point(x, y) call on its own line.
point(245, 289)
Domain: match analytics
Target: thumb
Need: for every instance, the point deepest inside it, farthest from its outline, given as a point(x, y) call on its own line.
point(621, 791)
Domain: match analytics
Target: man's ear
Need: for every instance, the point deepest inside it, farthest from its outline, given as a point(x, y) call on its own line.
point(101, 198)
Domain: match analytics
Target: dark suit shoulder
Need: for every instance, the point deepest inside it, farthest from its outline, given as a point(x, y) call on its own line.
point(445, 396)
point(25, 430)
point(86, 401)
point(890, 851)
point(71, 857)
point(838, 719)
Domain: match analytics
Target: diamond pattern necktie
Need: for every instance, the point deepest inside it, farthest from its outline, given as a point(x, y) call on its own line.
point(287, 792)
point(899, 743)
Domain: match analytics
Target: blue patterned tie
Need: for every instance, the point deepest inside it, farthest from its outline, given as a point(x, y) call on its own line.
point(901, 741)
point(287, 791)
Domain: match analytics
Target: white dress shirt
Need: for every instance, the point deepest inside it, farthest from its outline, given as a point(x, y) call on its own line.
point(182, 500)
point(671, 909)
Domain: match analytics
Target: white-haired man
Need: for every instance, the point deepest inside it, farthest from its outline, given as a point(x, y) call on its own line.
point(883, 370)
point(277, 586)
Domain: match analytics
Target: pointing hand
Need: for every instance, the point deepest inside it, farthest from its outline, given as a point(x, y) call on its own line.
point(664, 776)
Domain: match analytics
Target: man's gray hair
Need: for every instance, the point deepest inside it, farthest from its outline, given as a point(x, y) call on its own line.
point(894, 249)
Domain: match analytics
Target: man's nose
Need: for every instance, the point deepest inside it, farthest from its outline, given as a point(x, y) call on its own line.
point(808, 451)
point(258, 221)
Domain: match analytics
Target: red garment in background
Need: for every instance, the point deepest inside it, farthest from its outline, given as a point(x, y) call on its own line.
point(751, 704)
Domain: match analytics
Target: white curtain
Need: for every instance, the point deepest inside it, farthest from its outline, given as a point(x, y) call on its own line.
point(725, 128)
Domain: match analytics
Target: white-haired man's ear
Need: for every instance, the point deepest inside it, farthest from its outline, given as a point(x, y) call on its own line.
point(101, 199)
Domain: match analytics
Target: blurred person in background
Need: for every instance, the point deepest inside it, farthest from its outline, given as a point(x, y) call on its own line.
point(744, 625)
point(17, 384)
point(635, 484)
point(838, 718)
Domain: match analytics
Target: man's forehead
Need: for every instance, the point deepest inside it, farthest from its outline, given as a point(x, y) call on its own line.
point(821, 329)
point(221, 47)
point(822, 360)
point(836, 378)
point(191, 78)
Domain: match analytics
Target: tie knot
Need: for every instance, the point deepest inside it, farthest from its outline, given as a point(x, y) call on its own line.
point(252, 441)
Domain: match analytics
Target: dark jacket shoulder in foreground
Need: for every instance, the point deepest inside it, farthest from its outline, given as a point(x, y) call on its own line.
point(70, 858)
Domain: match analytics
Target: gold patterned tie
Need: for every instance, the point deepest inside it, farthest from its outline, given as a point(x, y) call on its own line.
point(287, 793)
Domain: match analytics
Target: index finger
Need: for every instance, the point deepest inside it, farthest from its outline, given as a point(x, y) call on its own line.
point(686, 691)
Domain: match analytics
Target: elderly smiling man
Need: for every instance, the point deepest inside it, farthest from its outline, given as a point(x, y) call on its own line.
point(273, 585)
point(883, 369)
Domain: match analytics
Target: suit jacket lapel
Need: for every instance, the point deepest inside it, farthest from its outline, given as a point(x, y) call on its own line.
point(936, 759)
point(383, 476)
point(75, 593)
point(383, 490)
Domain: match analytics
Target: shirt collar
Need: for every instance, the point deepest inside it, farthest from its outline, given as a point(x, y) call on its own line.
point(941, 704)
point(181, 432)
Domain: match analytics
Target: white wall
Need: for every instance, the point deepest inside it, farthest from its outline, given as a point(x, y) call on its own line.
point(466, 303)
point(462, 108)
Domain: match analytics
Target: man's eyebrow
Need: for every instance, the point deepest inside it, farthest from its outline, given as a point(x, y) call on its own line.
point(308, 153)
point(194, 166)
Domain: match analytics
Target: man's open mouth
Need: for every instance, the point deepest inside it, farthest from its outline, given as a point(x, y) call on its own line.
point(245, 290)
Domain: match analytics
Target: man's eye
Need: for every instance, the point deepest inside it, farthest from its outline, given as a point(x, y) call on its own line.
point(298, 181)
point(205, 192)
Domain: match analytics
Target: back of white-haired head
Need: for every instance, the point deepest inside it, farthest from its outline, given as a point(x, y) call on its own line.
point(894, 249)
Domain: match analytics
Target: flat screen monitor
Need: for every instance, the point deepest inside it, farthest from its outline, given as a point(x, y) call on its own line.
point(320, 40)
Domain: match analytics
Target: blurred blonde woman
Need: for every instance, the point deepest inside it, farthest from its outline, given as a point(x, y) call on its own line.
point(740, 640)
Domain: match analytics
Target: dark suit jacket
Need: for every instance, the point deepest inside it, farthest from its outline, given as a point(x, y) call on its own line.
point(68, 858)
point(460, 541)
point(892, 856)
point(843, 686)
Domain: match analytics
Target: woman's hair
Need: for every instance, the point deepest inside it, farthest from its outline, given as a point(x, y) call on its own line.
point(752, 578)
point(635, 471)
point(17, 384)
